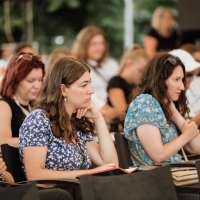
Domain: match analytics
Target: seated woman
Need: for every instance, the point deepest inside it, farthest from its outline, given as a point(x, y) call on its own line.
point(163, 34)
point(55, 139)
point(121, 87)
point(154, 124)
point(56, 54)
point(20, 86)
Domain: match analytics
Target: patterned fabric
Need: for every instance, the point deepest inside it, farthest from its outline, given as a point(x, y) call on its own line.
point(61, 156)
point(146, 110)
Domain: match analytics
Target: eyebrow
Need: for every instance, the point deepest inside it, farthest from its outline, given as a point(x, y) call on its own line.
point(85, 81)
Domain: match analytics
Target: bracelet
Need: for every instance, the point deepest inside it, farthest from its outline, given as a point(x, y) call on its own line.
point(2, 177)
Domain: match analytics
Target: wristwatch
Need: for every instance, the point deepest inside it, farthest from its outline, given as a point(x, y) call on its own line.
point(2, 177)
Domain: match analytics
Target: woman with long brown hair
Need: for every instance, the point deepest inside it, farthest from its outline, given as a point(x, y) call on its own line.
point(56, 137)
point(157, 111)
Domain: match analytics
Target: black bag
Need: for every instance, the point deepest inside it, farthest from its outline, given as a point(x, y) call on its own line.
point(26, 191)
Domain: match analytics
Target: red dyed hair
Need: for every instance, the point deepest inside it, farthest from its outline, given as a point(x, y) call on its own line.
point(16, 72)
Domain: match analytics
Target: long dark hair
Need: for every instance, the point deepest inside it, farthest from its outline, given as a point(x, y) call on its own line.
point(64, 71)
point(157, 71)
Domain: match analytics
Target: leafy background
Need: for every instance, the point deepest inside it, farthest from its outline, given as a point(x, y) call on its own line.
point(67, 17)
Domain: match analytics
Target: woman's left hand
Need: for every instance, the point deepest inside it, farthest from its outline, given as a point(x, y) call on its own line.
point(2, 166)
point(90, 112)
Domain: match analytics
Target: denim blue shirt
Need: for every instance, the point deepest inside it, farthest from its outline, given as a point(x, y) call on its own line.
point(146, 110)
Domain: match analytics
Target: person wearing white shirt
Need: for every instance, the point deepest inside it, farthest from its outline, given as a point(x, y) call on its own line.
point(91, 47)
point(192, 68)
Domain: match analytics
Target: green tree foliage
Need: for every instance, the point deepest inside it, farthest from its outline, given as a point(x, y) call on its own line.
point(67, 17)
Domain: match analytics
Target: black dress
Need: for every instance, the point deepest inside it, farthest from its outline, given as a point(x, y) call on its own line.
point(17, 115)
point(165, 43)
point(119, 82)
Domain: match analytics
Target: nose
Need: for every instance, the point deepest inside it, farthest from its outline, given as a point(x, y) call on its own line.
point(38, 84)
point(90, 90)
point(182, 87)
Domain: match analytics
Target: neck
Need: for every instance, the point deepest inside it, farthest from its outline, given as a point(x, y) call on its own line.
point(126, 76)
point(21, 100)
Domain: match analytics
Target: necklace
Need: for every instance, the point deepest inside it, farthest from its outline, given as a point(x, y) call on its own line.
point(26, 112)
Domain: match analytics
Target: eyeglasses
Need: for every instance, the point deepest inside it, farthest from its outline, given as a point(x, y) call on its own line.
point(172, 61)
point(28, 57)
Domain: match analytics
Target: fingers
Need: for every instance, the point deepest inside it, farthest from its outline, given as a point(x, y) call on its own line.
point(80, 112)
point(2, 166)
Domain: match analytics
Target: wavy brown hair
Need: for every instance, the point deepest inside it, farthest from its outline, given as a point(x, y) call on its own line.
point(64, 71)
point(82, 41)
point(157, 71)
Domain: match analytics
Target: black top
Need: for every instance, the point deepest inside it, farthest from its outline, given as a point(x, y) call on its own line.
point(165, 44)
point(17, 115)
point(119, 82)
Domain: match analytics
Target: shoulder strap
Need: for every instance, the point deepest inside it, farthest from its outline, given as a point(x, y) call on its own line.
point(136, 157)
point(99, 74)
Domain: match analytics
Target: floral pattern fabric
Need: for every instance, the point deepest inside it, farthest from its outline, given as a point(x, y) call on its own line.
point(146, 110)
point(61, 156)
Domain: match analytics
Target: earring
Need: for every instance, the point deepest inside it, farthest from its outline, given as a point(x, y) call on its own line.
point(65, 99)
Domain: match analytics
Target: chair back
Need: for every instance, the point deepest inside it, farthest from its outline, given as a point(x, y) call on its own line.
point(123, 152)
point(146, 185)
point(11, 157)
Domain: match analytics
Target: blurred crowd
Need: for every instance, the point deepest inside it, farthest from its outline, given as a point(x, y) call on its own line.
point(119, 89)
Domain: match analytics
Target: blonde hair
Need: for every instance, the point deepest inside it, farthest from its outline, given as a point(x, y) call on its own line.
point(55, 55)
point(190, 48)
point(156, 21)
point(82, 40)
point(133, 53)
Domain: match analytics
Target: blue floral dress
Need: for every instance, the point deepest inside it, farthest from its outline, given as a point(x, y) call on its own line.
point(61, 156)
point(146, 110)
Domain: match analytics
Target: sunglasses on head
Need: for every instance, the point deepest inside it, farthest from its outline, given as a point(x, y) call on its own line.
point(172, 61)
point(28, 57)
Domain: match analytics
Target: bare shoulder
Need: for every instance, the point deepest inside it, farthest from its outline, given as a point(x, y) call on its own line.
point(5, 108)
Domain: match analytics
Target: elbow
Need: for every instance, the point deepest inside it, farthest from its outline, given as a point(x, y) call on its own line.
point(157, 159)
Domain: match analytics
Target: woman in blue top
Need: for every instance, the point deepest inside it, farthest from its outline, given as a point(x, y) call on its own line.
point(55, 139)
point(154, 126)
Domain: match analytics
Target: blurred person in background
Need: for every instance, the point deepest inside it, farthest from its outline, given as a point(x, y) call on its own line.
point(20, 87)
point(193, 92)
point(25, 48)
point(163, 34)
point(122, 86)
point(91, 47)
point(57, 54)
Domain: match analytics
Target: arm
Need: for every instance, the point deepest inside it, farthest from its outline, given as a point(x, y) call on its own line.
point(196, 119)
point(193, 145)
point(150, 139)
point(107, 111)
point(105, 152)
point(150, 46)
point(118, 101)
point(7, 176)
point(5, 124)
point(34, 162)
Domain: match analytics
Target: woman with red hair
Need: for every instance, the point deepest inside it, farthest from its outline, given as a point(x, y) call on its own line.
point(20, 86)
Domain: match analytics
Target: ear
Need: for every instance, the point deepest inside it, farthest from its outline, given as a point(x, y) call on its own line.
point(64, 90)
